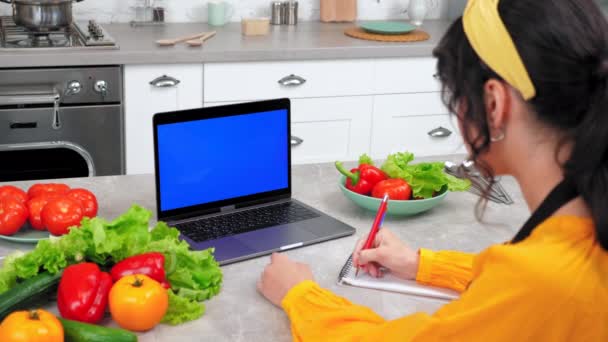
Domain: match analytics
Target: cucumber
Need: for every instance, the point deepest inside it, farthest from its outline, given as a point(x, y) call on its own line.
point(28, 292)
point(82, 332)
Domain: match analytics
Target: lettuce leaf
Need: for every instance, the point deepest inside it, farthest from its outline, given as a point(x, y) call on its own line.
point(426, 179)
point(194, 275)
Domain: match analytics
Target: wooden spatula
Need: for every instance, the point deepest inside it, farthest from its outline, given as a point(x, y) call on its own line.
point(201, 40)
point(171, 42)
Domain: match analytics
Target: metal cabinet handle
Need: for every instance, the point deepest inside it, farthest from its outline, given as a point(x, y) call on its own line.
point(440, 132)
point(296, 141)
point(165, 81)
point(292, 81)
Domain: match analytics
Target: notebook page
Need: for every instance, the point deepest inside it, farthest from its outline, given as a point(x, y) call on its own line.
point(391, 283)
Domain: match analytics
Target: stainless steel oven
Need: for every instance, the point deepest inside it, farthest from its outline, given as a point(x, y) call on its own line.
point(61, 122)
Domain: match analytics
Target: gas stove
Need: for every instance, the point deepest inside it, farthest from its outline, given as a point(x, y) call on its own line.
point(79, 36)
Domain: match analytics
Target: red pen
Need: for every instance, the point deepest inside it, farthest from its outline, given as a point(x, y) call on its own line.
point(375, 227)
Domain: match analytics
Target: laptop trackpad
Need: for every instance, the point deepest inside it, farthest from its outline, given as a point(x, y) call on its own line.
point(275, 237)
point(226, 248)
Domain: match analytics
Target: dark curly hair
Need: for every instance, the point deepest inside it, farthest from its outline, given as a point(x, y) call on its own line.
point(564, 46)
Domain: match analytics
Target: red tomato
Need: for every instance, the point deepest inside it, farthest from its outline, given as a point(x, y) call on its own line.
point(60, 214)
point(35, 206)
point(13, 215)
point(397, 189)
point(13, 191)
point(87, 199)
point(39, 189)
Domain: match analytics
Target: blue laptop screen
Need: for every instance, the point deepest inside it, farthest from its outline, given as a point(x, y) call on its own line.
point(210, 160)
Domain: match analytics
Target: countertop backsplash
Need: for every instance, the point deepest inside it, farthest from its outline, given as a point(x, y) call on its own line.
point(196, 10)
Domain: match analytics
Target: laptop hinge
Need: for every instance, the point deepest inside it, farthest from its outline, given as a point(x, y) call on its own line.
point(227, 208)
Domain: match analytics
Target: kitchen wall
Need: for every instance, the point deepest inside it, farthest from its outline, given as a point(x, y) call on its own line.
point(195, 10)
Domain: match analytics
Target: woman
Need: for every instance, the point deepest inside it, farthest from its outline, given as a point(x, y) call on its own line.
point(528, 81)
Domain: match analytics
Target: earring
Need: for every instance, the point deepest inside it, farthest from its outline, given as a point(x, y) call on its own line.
point(500, 137)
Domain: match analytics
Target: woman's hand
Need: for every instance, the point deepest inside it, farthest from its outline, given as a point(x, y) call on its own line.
point(280, 276)
point(387, 251)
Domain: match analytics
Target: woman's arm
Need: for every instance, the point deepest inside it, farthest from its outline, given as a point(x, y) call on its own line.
point(448, 269)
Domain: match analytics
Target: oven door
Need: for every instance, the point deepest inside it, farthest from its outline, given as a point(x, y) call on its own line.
point(46, 142)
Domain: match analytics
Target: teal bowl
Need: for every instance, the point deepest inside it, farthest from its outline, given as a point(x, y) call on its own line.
point(395, 208)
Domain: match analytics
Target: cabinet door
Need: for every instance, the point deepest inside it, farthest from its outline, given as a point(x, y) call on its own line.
point(330, 129)
point(418, 123)
point(226, 82)
point(151, 89)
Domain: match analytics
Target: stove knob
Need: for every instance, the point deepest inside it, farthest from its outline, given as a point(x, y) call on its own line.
point(101, 87)
point(73, 88)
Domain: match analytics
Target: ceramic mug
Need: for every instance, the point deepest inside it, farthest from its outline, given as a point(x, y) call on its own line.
point(219, 12)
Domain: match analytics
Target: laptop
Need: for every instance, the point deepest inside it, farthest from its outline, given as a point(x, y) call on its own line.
point(223, 179)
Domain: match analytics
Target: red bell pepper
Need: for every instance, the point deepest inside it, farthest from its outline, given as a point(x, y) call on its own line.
point(397, 189)
point(83, 293)
point(362, 179)
point(150, 264)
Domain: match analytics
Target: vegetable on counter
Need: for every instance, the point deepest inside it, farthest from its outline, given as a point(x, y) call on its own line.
point(196, 275)
point(83, 293)
point(35, 206)
point(138, 302)
point(87, 200)
point(47, 188)
point(59, 214)
point(13, 191)
point(151, 264)
point(32, 325)
point(13, 215)
point(397, 189)
point(33, 289)
point(426, 179)
point(82, 332)
point(363, 178)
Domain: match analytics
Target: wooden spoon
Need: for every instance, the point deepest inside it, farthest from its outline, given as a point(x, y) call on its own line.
point(171, 42)
point(201, 40)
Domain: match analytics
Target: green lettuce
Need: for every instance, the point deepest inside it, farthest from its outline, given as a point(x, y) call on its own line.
point(195, 276)
point(425, 179)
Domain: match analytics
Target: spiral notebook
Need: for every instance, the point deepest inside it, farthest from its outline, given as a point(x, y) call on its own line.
point(391, 283)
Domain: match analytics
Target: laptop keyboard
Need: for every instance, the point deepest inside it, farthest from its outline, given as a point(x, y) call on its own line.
point(245, 221)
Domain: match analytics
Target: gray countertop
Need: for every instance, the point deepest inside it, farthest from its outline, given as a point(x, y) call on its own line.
point(239, 313)
point(306, 41)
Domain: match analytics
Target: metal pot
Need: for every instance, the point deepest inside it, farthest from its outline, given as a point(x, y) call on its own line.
point(42, 15)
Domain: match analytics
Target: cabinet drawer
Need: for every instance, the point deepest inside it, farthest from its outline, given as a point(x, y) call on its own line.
point(326, 130)
point(255, 81)
point(405, 123)
point(177, 87)
point(406, 75)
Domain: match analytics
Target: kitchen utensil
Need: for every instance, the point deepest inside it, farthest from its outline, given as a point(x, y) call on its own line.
point(290, 13)
point(477, 189)
point(219, 12)
point(171, 42)
point(276, 10)
point(42, 15)
point(396, 208)
point(387, 27)
point(418, 9)
point(255, 26)
point(469, 166)
point(201, 40)
point(27, 235)
point(338, 10)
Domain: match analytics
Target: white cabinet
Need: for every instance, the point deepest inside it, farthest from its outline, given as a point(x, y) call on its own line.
point(405, 75)
point(418, 123)
point(226, 82)
point(330, 129)
point(151, 89)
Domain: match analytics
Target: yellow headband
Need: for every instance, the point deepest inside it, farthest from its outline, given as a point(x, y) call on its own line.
point(492, 42)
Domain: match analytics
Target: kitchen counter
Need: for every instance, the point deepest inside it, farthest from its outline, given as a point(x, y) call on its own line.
point(239, 313)
point(306, 41)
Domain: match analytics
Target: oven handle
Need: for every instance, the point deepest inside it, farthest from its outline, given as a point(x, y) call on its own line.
point(52, 145)
point(34, 97)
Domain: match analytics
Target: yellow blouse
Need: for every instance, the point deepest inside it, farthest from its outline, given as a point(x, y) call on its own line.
point(553, 286)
